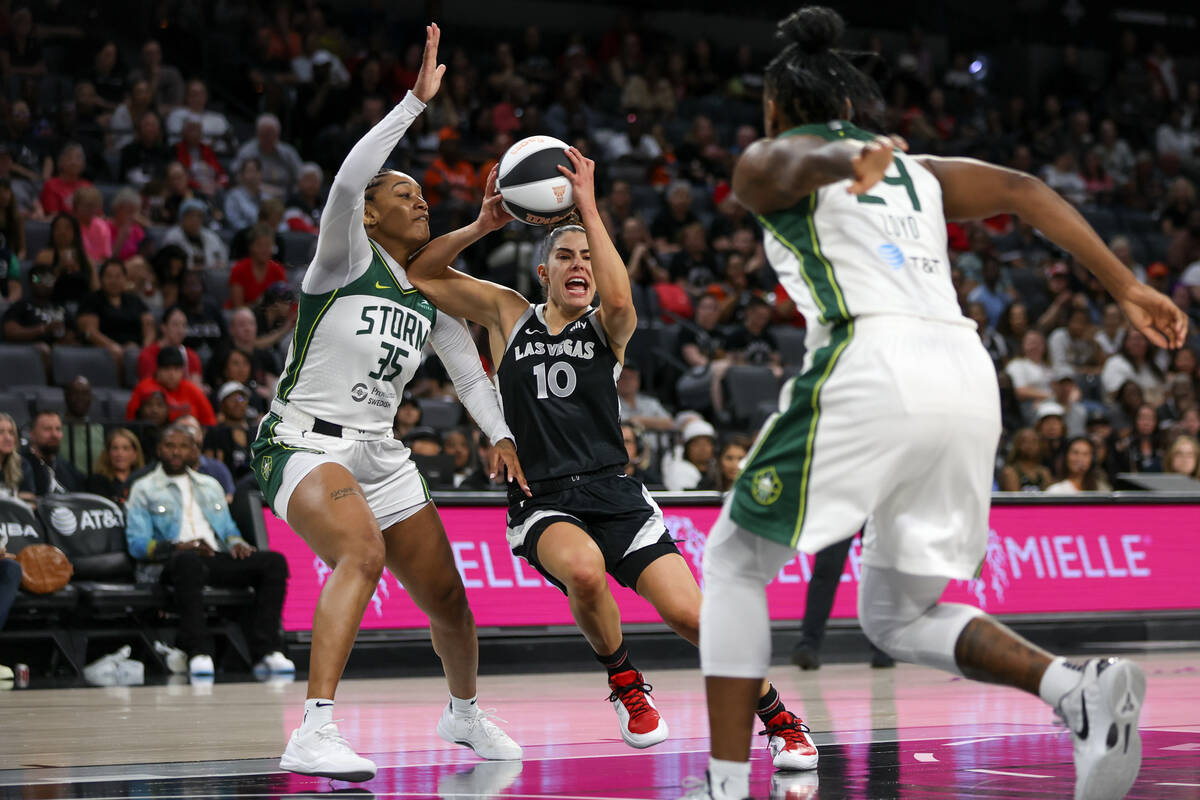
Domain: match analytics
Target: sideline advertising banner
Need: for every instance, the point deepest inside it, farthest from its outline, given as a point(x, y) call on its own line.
point(1041, 559)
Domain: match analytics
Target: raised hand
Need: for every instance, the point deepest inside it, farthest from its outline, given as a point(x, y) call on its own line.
point(492, 216)
point(429, 79)
point(583, 180)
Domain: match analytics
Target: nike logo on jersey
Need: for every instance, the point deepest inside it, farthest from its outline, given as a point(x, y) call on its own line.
point(379, 285)
point(531, 333)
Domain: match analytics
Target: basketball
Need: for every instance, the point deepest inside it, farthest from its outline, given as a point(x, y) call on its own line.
point(534, 191)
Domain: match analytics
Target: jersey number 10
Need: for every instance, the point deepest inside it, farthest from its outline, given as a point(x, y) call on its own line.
point(558, 380)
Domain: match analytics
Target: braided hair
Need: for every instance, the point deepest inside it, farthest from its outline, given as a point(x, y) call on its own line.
point(373, 184)
point(811, 81)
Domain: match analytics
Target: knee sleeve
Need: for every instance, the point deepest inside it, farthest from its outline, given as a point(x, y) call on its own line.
point(735, 630)
point(901, 614)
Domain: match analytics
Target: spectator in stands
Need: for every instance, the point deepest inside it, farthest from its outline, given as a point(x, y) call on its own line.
point(270, 215)
point(125, 231)
point(993, 291)
point(1066, 393)
point(204, 249)
point(194, 543)
point(702, 343)
point(152, 417)
point(637, 250)
point(12, 243)
point(1116, 155)
point(172, 332)
point(241, 202)
point(408, 416)
point(216, 131)
point(183, 397)
point(251, 276)
point(1023, 469)
point(10, 584)
point(1080, 473)
point(307, 201)
point(74, 272)
point(1140, 450)
point(265, 363)
point(58, 190)
point(694, 267)
point(230, 440)
point(1180, 202)
point(642, 409)
point(1013, 325)
point(275, 315)
point(729, 461)
point(1184, 248)
point(752, 342)
point(16, 474)
point(639, 454)
point(459, 444)
point(675, 216)
point(451, 181)
point(164, 80)
point(1124, 406)
point(234, 365)
point(122, 125)
point(1030, 373)
point(1134, 362)
point(83, 437)
point(205, 173)
point(1063, 177)
point(1072, 347)
point(1183, 457)
point(686, 469)
point(122, 456)
point(39, 318)
point(278, 161)
point(1111, 334)
point(146, 156)
point(212, 467)
point(51, 474)
point(993, 342)
point(114, 318)
point(1052, 434)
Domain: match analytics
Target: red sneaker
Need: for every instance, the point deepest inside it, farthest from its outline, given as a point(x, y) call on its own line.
point(641, 724)
point(789, 742)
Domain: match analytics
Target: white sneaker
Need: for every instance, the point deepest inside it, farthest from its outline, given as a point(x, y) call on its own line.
point(483, 779)
point(201, 666)
point(479, 733)
point(1102, 712)
point(324, 753)
point(275, 662)
point(701, 789)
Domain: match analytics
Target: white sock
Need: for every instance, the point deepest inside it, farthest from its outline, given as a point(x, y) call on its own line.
point(463, 708)
point(728, 780)
point(1059, 678)
point(317, 712)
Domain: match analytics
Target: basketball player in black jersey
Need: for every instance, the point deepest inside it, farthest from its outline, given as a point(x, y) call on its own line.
point(557, 365)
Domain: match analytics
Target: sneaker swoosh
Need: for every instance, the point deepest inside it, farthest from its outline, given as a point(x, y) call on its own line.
point(1085, 728)
point(323, 705)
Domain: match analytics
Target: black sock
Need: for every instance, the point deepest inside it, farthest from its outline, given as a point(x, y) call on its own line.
point(769, 705)
point(617, 662)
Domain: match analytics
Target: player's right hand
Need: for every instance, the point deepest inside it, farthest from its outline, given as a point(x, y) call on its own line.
point(504, 460)
point(429, 79)
point(1155, 315)
point(871, 163)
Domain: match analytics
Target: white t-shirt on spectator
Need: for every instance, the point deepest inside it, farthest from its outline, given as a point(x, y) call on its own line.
point(210, 252)
point(1110, 345)
point(1028, 373)
point(679, 474)
point(1117, 370)
point(192, 525)
point(213, 125)
point(1191, 275)
point(1065, 351)
point(1062, 487)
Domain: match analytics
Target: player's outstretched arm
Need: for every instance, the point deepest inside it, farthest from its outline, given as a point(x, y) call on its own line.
point(774, 174)
point(457, 293)
point(617, 314)
point(976, 190)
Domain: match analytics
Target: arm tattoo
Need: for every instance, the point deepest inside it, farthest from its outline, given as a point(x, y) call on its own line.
point(346, 491)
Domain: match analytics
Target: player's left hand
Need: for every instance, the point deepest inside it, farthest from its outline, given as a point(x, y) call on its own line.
point(1155, 315)
point(504, 456)
point(871, 163)
point(492, 216)
point(241, 550)
point(583, 180)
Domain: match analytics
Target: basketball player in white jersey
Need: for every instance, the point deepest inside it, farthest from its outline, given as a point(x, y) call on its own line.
point(325, 457)
point(557, 365)
point(895, 419)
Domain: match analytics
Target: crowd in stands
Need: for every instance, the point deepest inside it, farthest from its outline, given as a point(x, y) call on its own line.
point(161, 224)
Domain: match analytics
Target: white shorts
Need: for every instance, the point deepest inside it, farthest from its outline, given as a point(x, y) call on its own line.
point(284, 454)
point(894, 426)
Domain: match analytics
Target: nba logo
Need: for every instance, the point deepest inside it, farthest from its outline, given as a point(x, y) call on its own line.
point(559, 193)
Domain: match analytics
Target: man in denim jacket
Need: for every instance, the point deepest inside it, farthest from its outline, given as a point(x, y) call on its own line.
point(178, 526)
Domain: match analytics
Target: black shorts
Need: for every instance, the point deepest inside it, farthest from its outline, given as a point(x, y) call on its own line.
point(615, 510)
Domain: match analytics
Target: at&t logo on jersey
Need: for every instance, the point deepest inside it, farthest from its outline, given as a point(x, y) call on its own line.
point(892, 255)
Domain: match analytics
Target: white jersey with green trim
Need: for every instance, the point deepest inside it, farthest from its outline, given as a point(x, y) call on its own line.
point(841, 256)
point(362, 326)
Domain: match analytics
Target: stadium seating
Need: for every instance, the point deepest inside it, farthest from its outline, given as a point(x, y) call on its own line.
point(92, 363)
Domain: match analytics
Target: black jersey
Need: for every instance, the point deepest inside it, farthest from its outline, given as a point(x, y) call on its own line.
point(560, 397)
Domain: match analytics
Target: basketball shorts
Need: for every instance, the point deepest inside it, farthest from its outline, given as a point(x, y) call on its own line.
point(616, 511)
point(894, 423)
point(283, 454)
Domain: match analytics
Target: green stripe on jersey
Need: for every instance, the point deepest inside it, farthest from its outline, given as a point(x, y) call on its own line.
point(313, 308)
point(796, 229)
point(830, 131)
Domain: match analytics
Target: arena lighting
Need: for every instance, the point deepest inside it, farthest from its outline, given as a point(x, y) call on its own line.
point(979, 67)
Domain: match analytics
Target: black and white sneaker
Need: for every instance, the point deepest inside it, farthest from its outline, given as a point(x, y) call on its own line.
point(1102, 712)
